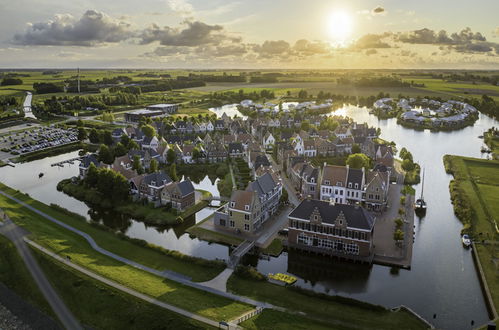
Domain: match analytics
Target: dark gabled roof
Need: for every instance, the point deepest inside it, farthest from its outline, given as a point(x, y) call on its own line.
point(261, 160)
point(118, 132)
point(185, 187)
point(236, 147)
point(262, 185)
point(380, 168)
point(309, 172)
point(355, 175)
point(88, 159)
point(173, 139)
point(159, 179)
point(356, 216)
point(286, 135)
point(219, 122)
point(359, 139)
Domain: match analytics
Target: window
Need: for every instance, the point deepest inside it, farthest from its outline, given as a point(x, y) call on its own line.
point(246, 227)
point(246, 207)
point(356, 186)
point(230, 213)
point(341, 192)
point(327, 182)
point(222, 222)
point(351, 248)
point(336, 191)
point(316, 218)
point(232, 223)
point(304, 239)
point(349, 185)
point(232, 204)
point(246, 217)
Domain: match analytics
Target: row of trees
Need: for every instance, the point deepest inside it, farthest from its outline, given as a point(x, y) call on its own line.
point(11, 81)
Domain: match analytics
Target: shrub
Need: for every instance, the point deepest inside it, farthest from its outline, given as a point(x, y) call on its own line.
point(250, 273)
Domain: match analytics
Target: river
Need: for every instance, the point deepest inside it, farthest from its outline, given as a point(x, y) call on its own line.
point(442, 280)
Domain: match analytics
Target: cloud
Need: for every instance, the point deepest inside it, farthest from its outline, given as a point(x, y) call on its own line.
point(181, 7)
point(306, 48)
point(273, 48)
point(371, 52)
point(371, 41)
point(378, 10)
point(91, 29)
point(194, 34)
point(465, 41)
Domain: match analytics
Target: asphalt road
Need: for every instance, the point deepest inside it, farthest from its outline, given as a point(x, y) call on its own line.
point(15, 234)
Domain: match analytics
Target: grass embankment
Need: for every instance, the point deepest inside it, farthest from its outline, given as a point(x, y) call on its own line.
point(336, 311)
point(275, 248)
point(138, 210)
point(475, 196)
point(15, 275)
point(66, 243)
point(137, 250)
point(275, 320)
point(102, 307)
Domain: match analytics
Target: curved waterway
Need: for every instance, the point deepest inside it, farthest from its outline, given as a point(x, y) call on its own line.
point(442, 281)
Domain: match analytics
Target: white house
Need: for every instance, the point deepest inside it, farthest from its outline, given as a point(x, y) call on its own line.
point(210, 127)
point(333, 184)
point(268, 141)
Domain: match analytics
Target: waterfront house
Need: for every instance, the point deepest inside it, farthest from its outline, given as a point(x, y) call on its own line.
point(181, 195)
point(152, 184)
point(326, 228)
point(240, 213)
point(85, 163)
point(377, 187)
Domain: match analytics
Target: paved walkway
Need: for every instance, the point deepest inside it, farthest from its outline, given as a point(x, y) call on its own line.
point(220, 282)
point(164, 274)
point(15, 234)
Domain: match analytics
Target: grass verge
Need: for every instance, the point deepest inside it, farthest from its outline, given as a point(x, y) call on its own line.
point(275, 248)
point(336, 311)
point(102, 307)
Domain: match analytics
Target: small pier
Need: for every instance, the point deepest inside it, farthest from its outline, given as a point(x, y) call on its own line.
point(67, 161)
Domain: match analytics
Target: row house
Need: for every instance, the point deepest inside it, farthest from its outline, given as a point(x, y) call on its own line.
point(181, 195)
point(151, 185)
point(215, 153)
point(236, 150)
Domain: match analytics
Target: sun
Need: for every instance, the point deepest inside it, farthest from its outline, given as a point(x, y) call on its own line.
point(340, 26)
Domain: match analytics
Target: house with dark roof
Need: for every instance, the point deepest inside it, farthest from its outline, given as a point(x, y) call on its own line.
point(236, 150)
point(85, 163)
point(241, 213)
point(269, 192)
point(326, 228)
point(356, 179)
point(152, 184)
point(181, 195)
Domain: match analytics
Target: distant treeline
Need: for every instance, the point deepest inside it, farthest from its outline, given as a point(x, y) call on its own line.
point(11, 81)
point(213, 78)
point(219, 99)
point(485, 105)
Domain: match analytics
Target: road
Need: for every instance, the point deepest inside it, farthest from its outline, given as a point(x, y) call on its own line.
point(28, 113)
point(286, 184)
point(15, 234)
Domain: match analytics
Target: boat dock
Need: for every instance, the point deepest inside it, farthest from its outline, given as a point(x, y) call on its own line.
point(67, 161)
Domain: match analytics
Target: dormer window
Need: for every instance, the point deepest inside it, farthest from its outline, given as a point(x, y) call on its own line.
point(316, 217)
point(349, 185)
point(338, 184)
point(356, 186)
point(246, 207)
point(327, 182)
point(232, 204)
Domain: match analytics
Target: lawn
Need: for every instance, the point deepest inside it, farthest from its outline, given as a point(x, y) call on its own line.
point(66, 243)
point(475, 195)
point(338, 312)
point(149, 257)
point(275, 320)
point(274, 249)
point(15, 275)
point(93, 302)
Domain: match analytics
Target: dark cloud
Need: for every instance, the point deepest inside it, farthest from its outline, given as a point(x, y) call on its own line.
point(465, 41)
point(307, 48)
point(371, 41)
point(378, 10)
point(91, 29)
point(273, 48)
point(195, 33)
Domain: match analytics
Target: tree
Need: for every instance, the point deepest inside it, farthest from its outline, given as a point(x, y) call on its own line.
point(120, 150)
point(305, 125)
point(153, 166)
point(356, 149)
point(173, 172)
point(124, 140)
point(407, 165)
point(149, 131)
point(82, 134)
point(132, 145)
point(105, 154)
point(196, 154)
point(91, 176)
point(284, 196)
point(170, 156)
point(398, 235)
point(94, 136)
point(358, 161)
point(107, 138)
point(137, 164)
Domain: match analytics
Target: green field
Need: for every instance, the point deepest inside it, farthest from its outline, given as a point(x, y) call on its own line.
point(66, 243)
point(475, 195)
point(99, 306)
point(340, 313)
point(15, 275)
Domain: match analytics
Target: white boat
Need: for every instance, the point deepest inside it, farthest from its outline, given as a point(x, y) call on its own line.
point(466, 240)
point(420, 205)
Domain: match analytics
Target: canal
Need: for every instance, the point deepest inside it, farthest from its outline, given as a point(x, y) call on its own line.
point(441, 282)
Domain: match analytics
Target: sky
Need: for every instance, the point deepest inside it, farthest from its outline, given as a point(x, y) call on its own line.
point(256, 34)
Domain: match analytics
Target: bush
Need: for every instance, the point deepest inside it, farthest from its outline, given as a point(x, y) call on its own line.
point(249, 273)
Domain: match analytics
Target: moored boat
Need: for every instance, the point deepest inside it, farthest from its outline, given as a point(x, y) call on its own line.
point(466, 240)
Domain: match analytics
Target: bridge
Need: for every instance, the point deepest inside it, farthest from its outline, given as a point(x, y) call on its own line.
point(67, 161)
point(239, 252)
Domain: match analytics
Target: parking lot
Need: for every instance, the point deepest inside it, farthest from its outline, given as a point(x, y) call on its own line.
point(37, 138)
